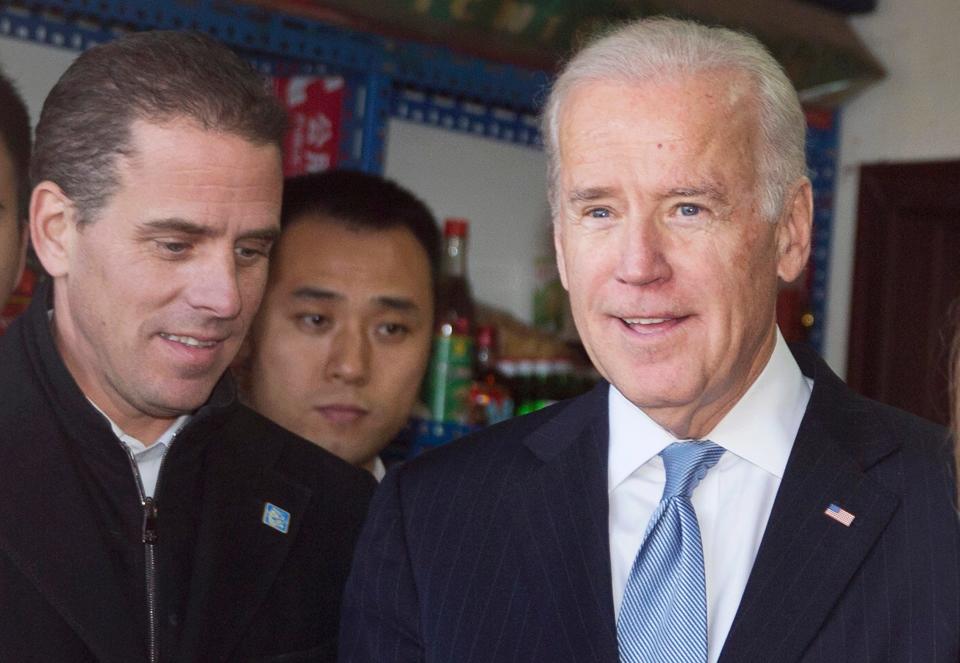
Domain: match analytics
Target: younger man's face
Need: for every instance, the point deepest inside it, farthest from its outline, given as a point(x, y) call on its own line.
point(342, 338)
point(12, 236)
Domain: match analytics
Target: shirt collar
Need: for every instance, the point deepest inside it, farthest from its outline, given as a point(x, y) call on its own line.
point(760, 428)
point(379, 470)
point(136, 446)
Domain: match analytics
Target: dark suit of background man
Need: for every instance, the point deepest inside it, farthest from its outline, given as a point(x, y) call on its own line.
point(827, 527)
point(144, 514)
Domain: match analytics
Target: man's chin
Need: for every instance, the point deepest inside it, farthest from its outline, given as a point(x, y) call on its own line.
point(181, 399)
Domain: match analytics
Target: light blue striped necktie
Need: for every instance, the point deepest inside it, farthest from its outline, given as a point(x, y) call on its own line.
point(663, 617)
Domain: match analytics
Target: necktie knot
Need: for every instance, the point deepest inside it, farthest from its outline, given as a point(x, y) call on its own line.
point(663, 618)
point(686, 463)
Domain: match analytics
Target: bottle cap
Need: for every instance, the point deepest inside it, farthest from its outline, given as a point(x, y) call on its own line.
point(455, 227)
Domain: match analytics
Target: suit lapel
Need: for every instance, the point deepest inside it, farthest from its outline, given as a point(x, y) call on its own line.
point(561, 517)
point(48, 530)
point(807, 559)
point(239, 555)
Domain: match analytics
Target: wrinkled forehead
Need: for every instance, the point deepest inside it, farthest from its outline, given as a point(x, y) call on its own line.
point(719, 97)
point(707, 120)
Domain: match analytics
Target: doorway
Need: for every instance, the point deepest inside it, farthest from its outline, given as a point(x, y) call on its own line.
point(905, 285)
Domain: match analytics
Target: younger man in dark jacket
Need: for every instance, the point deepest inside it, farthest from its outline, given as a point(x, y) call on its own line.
point(144, 514)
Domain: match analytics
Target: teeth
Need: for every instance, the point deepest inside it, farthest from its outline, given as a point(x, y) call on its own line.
point(189, 341)
point(644, 321)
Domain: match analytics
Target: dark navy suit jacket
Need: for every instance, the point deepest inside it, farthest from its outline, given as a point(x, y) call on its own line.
point(496, 548)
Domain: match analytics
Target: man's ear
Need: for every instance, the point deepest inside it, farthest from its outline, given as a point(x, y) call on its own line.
point(53, 225)
point(24, 242)
point(794, 230)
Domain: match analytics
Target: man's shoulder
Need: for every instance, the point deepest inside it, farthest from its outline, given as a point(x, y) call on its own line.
point(259, 441)
point(889, 443)
point(834, 402)
point(501, 451)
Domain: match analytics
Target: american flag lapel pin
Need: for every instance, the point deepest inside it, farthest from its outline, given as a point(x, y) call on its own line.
point(839, 514)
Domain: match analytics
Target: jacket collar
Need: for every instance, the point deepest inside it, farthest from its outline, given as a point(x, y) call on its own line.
point(77, 416)
point(47, 526)
point(560, 515)
point(46, 517)
point(806, 559)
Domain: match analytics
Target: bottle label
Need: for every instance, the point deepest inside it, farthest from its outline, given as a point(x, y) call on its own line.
point(450, 377)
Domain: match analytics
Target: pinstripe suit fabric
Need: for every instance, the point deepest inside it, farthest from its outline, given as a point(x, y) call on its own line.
point(495, 549)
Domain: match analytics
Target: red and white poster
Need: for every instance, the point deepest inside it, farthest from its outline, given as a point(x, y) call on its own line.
point(314, 107)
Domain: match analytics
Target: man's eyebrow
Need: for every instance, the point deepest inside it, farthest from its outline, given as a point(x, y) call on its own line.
point(177, 225)
point(705, 190)
point(311, 293)
point(185, 227)
point(397, 303)
point(266, 235)
point(590, 193)
point(402, 304)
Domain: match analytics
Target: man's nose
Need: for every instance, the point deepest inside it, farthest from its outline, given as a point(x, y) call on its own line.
point(349, 356)
point(216, 287)
point(643, 259)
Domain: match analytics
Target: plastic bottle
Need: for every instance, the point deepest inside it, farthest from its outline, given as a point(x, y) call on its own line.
point(450, 375)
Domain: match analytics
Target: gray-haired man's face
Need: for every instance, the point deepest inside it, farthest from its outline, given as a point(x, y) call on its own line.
point(671, 268)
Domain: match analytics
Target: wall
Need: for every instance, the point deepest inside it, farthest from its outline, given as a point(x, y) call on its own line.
point(35, 68)
point(913, 115)
point(499, 187)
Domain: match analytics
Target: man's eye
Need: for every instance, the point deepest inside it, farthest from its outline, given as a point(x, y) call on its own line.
point(599, 213)
point(688, 209)
point(314, 321)
point(247, 253)
point(392, 329)
point(173, 247)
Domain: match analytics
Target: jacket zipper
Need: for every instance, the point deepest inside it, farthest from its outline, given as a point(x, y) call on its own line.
point(149, 536)
point(150, 564)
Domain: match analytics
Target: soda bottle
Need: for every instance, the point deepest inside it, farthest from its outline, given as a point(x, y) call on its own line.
point(454, 299)
point(450, 374)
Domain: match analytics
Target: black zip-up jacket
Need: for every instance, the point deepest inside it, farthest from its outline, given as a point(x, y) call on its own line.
point(75, 544)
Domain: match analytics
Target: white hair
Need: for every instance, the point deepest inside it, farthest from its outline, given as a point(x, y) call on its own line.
point(654, 49)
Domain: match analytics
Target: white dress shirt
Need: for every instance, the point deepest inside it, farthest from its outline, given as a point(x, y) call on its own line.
point(734, 500)
point(379, 470)
point(147, 458)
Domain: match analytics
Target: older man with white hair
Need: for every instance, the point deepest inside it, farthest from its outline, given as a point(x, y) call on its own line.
point(720, 496)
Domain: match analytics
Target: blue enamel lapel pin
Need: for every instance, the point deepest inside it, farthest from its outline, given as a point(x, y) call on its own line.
point(275, 517)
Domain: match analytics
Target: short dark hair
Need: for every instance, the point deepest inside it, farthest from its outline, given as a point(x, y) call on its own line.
point(15, 137)
point(157, 77)
point(363, 202)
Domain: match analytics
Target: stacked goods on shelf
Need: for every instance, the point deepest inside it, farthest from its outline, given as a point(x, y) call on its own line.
point(466, 385)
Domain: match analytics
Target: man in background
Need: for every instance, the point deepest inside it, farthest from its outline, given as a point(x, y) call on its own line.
point(14, 186)
point(720, 497)
point(340, 345)
point(145, 515)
